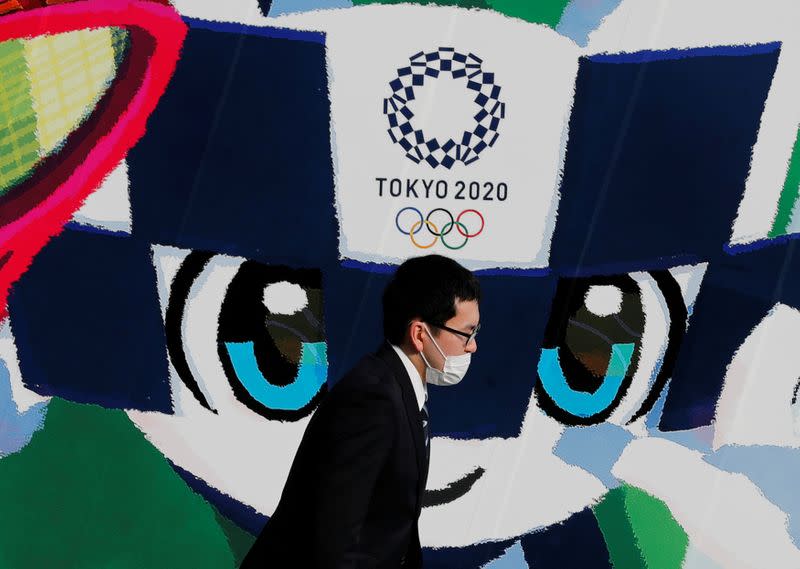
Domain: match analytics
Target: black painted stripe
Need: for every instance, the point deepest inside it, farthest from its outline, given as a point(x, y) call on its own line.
point(190, 269)
point(454, 490)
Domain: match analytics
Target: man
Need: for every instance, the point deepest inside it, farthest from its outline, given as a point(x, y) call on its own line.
point(354, 492)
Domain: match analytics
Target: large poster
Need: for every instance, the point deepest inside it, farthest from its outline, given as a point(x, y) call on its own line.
point(201, 203)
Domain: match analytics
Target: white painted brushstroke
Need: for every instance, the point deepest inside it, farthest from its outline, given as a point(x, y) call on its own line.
point(755, 407)
point(725, 515)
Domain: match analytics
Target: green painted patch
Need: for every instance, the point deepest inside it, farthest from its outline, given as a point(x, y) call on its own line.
point(546, 12)
point(89, 491)
point(640, 531)
point(240, 541)
point(540, 11)
point(617, 531)
point(789, 193)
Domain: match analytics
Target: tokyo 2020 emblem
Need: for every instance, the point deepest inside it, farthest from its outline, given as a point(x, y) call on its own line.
point(465, 147)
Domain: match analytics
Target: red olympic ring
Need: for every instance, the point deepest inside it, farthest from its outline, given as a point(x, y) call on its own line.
point(459, 226)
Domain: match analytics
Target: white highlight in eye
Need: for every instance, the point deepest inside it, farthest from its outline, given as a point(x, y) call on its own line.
point(285, 298)
point(603, 300)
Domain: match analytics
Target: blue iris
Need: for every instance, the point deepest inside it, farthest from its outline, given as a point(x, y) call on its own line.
point(580, 403)
point(311, 376)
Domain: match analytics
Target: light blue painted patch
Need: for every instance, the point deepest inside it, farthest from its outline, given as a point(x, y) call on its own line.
point(696, 559)
point(595, 449)
point(311, 376)
point(654, 415)
point(280, 7)
point(16, 429)
point(794, 224)
point(582, 17)
point(773, 469)
point(580, 403)
point(512, 558)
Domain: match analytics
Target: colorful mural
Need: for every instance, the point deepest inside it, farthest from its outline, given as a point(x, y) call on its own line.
point(201, 202)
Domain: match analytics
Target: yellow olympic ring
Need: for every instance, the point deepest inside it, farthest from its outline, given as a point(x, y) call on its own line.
point(430, 225)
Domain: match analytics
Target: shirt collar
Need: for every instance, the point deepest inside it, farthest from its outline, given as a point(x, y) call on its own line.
point(416, 380)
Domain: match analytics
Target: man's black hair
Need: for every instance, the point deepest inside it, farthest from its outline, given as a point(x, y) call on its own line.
point(426, 288)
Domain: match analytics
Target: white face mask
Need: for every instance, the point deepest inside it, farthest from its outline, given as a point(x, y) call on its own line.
point(453, 371)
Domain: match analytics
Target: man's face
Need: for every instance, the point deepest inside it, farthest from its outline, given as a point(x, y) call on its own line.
point(465, 320)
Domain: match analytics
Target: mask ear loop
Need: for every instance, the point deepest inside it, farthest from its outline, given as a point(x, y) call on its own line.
point(435, 344)
point(424, 359)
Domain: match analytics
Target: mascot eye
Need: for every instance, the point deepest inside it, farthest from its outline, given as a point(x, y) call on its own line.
point(609, 346)
point(267, 328)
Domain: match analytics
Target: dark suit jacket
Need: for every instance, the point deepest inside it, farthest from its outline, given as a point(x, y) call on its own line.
point(354, 492)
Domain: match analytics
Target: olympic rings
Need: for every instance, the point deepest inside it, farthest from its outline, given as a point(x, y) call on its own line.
point(433, 229)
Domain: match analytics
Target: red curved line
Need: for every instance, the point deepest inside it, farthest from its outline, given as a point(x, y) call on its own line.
point(37, 210)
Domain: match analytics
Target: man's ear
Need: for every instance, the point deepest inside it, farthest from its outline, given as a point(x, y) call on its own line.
point(416, 329)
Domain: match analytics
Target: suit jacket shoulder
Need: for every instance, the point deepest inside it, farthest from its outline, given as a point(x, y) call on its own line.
point(372, 373)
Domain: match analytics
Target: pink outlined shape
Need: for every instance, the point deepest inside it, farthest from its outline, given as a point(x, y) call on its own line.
point(36, 210)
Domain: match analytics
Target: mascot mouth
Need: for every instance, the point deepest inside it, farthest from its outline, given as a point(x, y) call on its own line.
point(453, 491)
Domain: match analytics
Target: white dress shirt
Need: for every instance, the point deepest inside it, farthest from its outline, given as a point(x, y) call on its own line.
point(416, 380)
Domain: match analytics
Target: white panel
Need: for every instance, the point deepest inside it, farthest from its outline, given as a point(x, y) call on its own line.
point(535, 68)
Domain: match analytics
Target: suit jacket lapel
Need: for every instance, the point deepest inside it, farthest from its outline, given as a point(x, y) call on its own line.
point(392, 360)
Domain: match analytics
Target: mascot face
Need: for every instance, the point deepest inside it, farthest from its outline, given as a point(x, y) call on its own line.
point(209, 265)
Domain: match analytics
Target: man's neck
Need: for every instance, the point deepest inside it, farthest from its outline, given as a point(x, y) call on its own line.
point(416, 359)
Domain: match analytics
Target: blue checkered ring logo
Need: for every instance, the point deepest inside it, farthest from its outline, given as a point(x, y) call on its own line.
point(466, 147)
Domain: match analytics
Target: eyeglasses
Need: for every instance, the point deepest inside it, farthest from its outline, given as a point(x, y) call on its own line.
point(469, 337)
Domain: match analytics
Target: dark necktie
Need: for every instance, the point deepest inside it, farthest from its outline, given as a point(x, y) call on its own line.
point(426, 430)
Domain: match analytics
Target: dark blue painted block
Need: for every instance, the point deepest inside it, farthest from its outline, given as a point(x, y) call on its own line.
point(576, 542)
point(87, 323)
point(736, 294)
point(237, 155)
point(659, 149)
